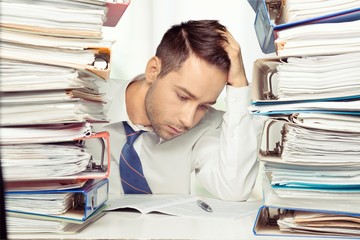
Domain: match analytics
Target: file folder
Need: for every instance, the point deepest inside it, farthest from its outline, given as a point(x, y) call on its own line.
point(85, 201)
point(265, 27)
point(100, 53)
point(115, 12)
point(273, 138)
point(96, 166)
point(264, 83)
point(313, 197)
point(43, 224)
point(266, 223)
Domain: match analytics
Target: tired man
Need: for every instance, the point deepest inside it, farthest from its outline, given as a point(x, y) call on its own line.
point(163, 126)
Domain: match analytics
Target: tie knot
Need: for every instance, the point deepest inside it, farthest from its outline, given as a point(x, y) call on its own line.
point(131, 134)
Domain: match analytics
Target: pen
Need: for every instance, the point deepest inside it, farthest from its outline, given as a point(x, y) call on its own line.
point(204, 205)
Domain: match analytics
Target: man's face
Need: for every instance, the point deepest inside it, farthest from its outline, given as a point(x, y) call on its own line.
point(178, 101)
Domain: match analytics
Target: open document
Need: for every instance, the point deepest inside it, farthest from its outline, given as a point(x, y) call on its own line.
point(183, 205)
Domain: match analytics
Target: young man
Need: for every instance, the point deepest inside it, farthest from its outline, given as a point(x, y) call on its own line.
point(181, 132)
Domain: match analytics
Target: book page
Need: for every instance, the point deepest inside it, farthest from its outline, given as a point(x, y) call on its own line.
point(183, 205)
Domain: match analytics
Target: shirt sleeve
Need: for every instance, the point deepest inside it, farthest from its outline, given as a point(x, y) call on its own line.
point(226, 158)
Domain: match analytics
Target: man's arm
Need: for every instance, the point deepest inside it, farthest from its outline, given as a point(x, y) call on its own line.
point(236, 76)
point(226, 158)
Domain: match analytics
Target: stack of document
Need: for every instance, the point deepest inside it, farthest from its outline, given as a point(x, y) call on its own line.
point(322, 83)
point(275, 16)
point(310, 144)
point(60, 18)
point(311, 166)
point(54, 61)
point(55, 210)
point(319, 39)
point(297, 10)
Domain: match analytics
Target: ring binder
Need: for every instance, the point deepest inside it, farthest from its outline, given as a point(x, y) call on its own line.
point(269, 95)
point(276, 221)
point(84, 201)
point(268, 12)
point(270, 216)
point(94, 167)
point(273, 76)
point(278, 145)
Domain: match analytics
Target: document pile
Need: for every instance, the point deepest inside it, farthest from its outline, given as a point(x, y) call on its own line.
point(54, 63)
point(275, 21)
point(310, 145)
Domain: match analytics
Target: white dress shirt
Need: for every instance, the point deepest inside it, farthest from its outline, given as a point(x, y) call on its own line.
point(221, 149)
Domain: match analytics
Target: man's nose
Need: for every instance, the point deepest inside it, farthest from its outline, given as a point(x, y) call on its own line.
point(187, 115)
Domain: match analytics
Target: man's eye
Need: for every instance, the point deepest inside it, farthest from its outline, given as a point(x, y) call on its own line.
point(182, 98)
point(204, 107)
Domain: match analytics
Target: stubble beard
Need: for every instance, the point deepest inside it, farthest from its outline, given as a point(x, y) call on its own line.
point(151, 112)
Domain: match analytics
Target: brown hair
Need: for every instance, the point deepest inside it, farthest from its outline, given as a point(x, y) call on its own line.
point(204, 38)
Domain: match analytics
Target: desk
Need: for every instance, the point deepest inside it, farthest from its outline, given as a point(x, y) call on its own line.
point(133, 225)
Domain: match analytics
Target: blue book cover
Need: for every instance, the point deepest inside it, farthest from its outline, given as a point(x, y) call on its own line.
point(68, 205)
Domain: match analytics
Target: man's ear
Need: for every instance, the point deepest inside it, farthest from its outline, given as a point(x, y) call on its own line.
point(153, 69)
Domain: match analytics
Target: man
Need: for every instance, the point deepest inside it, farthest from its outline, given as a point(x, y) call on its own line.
point(170, 105)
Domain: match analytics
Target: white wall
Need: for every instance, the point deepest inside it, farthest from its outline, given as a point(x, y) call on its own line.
point(145, 21)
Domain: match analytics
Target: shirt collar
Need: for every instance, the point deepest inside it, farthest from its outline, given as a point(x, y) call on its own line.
point(117, 110)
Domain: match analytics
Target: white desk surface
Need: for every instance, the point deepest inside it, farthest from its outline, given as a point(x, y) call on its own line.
point(133, 225)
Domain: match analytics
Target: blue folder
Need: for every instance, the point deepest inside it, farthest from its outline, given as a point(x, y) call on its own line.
point(265, 26)
point(86, 201)
point(266, 224)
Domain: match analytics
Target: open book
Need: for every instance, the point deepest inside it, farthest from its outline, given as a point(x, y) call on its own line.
point(182, 205)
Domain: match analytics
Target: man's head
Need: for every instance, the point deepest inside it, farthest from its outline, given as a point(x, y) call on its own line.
point(186, 76)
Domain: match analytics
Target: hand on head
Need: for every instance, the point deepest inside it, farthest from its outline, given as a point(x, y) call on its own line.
point(236, 76)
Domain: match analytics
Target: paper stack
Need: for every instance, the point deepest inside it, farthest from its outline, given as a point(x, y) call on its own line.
point(54, 61)
point(274, 16)
point(311, 140)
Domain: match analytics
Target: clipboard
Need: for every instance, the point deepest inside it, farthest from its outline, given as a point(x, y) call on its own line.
point(267, 11)
point(85, 201)
point(267, 217)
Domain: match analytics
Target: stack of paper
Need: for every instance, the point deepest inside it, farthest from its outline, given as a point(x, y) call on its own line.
point(54, 61)
point(319, 39)
point(310, 146)
point(311, 165)
point(322, 223)
point(28, 76)
point(59, 18)
point(43, 161)
point(275, 16)
point(307, 84)
point(297, 10)
point(56, 210)
point(302, 78)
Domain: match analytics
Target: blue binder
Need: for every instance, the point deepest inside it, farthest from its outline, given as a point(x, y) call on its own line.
point(85, 201)
point(265, 27)
point(266, 224)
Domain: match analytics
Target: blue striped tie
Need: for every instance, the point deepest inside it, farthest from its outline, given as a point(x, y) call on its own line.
point(131, 173)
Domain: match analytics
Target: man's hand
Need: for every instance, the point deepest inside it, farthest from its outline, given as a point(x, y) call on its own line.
point(236, 77)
